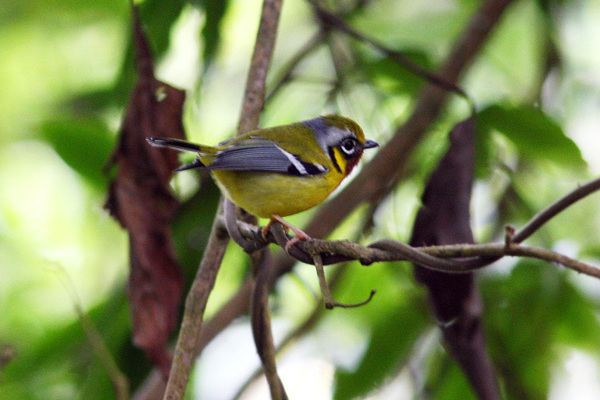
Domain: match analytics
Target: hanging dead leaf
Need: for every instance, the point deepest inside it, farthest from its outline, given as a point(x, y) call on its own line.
point(444, 218)
point(139, 198)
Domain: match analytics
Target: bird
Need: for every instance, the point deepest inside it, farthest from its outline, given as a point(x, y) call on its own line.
point(280, 171)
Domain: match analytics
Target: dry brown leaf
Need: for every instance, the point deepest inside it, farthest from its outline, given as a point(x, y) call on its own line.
point(444, 218)
point(140, 199)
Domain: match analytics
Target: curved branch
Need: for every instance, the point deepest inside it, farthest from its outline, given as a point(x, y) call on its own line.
point(553, 209)
point(249, 246)
point(261, 327)
point(554, 257)
point(457, 258)
point(330, 302)
point(473, 256)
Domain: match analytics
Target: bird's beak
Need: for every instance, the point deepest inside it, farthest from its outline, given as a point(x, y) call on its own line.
point(369, 144)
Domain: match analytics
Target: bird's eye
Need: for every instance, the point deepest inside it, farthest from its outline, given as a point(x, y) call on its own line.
point(349, 146)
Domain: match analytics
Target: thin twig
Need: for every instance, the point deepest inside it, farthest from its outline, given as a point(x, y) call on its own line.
point(330, 302)
point(435, 257)
point(331, 20)
point(96, 341)
point(291, 66)
point(553, 209)
point(295, 334)
point(396, 251)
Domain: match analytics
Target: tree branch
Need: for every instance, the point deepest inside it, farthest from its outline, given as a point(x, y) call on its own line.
point(261, 328)
point(195, 304)
point(441, 258)
point(188, 346)
point(438, 258)
point(553, 209)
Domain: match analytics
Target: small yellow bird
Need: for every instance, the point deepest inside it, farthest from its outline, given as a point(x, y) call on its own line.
point(280, 171)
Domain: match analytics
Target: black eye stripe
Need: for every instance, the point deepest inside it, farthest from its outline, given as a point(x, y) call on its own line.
point(333, 160)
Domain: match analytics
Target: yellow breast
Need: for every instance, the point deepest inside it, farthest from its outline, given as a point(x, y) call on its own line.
point(264, 194)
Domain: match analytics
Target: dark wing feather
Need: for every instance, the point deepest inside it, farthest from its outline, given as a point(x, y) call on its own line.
point(260, 155)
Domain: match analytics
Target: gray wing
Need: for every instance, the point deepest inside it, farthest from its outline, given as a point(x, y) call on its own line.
point(261, 155)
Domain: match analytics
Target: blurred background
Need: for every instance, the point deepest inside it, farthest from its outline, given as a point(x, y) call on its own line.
point(66, 71)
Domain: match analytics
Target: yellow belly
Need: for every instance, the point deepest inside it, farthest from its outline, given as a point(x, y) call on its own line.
point(264, 194)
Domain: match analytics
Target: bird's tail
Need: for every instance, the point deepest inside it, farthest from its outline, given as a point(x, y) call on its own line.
point(176, 144)
point(182, 145)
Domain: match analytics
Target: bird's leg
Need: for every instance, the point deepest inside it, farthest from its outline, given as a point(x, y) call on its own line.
point(300, 234)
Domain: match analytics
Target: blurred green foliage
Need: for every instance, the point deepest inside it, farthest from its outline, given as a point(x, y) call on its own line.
point(67, 69)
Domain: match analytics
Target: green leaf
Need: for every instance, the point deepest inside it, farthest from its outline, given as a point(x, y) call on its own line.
point(394, 78)
point(85, 144)
point(215, 11)
point(192, 225)
point(446, 380)
point(578, 326)
point(523, 313)
point(533, 133)
point(158, 17)
point(63, 362)
point(392, 339)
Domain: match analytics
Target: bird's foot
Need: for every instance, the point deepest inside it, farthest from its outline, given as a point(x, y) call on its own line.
point(300, 234)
